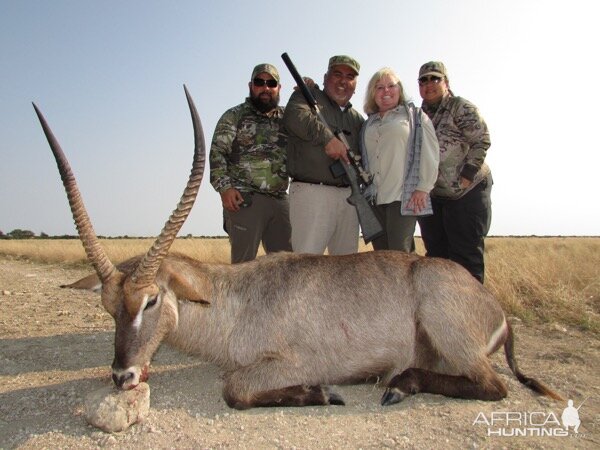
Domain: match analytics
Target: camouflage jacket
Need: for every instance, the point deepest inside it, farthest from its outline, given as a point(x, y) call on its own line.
point(248, 151)
point(307, 136)
point(464, 140)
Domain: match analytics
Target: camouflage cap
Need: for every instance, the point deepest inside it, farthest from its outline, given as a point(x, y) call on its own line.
point(435, 68)
point(266, 68)
point(344, 60)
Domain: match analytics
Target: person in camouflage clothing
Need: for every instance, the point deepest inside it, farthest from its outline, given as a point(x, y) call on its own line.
point(247, 168)
point(462, 208)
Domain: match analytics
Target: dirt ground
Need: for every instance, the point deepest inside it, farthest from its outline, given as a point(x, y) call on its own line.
point(56, 347)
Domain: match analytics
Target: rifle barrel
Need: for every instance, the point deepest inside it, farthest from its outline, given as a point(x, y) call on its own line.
point(310, 99)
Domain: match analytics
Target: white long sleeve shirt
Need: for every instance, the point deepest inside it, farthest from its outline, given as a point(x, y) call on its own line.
point(386, 142)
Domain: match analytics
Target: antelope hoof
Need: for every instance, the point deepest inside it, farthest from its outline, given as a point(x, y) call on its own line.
point(391, 396)
point(335, 399)
point(332, 398)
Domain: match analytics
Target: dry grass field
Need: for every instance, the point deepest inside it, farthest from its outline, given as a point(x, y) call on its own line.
point(537, 279)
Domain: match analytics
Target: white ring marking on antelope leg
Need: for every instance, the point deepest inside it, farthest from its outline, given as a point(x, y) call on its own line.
point(497, 337)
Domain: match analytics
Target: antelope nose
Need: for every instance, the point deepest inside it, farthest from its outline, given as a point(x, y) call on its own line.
point(120, 380)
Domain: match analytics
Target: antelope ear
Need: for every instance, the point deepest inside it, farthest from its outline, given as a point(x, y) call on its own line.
point(185, 290)
point(91, 283)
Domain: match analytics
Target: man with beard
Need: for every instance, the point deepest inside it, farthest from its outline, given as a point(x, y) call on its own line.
point(320, 215)
point(247, 168)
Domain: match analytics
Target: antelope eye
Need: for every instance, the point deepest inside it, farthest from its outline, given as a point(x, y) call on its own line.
point(151, 303)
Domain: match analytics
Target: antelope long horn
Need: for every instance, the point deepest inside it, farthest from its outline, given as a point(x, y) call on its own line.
point(146, 270)
point(94, 251)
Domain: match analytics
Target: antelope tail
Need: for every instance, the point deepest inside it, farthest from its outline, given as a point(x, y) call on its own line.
point(531, 383)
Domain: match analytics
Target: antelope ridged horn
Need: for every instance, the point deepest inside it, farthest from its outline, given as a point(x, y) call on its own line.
point(94, 251)
point(146, 270)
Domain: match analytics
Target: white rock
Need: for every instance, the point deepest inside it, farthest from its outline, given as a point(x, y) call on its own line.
point(113, 410)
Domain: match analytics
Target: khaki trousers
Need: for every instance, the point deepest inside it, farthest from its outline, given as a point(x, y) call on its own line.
point(322, 219)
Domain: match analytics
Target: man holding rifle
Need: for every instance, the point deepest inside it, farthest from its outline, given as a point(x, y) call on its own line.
point(320, 215)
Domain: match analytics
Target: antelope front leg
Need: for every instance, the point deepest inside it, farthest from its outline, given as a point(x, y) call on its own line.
point(412, 381)
point(273, 383)
point(299, 395)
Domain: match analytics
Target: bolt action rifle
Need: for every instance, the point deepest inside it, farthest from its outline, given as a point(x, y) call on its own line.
point(357, 175)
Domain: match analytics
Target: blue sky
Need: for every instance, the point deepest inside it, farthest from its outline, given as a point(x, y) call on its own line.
point(108, 76)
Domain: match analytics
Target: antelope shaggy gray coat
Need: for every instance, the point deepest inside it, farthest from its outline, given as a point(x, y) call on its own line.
point(285, 327)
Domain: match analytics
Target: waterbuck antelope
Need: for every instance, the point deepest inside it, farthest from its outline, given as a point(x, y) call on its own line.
point(284, 327)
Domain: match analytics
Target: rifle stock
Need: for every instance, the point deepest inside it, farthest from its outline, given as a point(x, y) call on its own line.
point(369, 224)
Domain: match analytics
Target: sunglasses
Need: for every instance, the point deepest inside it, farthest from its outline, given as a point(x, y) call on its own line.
point(430, 78)
point(259, 82)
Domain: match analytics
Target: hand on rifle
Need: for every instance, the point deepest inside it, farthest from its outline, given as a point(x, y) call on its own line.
point(336, 149)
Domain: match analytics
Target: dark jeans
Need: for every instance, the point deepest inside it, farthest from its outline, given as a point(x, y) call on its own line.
point(266, 220)
point(457, 228)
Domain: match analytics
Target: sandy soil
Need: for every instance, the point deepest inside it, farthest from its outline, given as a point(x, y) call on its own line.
point(56, 346)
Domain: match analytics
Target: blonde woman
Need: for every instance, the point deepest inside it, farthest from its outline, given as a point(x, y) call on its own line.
point(400, 149)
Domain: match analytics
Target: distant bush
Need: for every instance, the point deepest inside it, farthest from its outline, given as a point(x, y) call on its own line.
point(19, 234)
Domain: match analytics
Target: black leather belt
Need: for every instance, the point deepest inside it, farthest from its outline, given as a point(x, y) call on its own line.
point(321, 184)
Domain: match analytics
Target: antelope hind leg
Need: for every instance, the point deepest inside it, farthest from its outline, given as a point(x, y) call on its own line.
point(412, 381)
